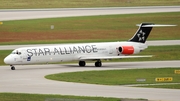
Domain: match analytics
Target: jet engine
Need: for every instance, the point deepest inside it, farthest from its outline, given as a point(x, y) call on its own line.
point(127, 50)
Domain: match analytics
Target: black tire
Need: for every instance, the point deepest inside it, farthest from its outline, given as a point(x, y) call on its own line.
point(12, 68)
point(82, 63)
point(98, 64)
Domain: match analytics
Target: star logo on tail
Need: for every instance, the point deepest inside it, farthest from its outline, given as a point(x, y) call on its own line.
point(141, 35)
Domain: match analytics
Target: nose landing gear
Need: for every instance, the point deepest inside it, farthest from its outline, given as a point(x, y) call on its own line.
point(12, 67)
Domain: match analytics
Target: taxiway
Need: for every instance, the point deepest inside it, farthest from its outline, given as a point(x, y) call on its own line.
point(21, 14)
point(149, 43)
point(30, 79)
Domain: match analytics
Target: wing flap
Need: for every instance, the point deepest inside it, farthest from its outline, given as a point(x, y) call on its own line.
point(111, 57)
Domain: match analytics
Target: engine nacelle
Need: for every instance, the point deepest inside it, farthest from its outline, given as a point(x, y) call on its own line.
point(128, 50)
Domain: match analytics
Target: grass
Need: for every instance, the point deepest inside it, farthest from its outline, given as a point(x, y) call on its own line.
point(119, 77)
point(19, 4)
point(84, 29)
point(46, 97)
point(158, 52)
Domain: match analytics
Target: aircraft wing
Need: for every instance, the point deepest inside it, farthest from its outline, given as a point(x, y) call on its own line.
point(111, 57)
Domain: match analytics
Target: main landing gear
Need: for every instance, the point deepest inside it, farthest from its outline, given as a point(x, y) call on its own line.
point(97, 63)
point(82, 63)
point(12, 67)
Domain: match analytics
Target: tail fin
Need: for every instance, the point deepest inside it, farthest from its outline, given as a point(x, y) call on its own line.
point(142, 33)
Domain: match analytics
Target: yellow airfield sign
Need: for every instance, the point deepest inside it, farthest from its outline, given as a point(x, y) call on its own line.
point(177, 71)
point(165, 79)
point(1, 23)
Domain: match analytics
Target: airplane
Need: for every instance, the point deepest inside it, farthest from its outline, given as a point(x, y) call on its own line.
point(83, 52)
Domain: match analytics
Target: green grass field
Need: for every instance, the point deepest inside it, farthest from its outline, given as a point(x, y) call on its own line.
point(19, 4)
point(120, 77)
point(87, 29)
point(46, 97)
point(158, 52)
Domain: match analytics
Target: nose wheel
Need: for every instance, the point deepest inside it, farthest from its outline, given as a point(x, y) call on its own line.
point(12, 67)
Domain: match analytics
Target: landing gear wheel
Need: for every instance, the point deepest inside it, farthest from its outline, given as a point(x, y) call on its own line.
point(13, 68)
point(82, 63)
point(98, 64)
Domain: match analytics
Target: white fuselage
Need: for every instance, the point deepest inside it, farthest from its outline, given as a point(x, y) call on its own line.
point(69, 52)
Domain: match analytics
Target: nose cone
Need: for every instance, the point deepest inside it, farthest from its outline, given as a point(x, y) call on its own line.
point(8, 60)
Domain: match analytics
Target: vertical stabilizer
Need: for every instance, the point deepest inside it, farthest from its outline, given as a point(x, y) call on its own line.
point(142, 33)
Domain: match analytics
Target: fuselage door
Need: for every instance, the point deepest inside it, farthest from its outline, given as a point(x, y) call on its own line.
point(110, 50)
point(25, 56)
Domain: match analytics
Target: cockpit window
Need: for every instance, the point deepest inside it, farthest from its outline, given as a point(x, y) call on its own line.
point(13, 53)
point(19, 53)
point(16, 52)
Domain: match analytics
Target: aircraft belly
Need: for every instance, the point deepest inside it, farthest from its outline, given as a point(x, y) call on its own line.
point(48, 59)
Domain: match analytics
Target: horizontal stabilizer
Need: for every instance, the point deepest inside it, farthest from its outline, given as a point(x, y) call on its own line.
point(111, 57)
point(156, 25)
